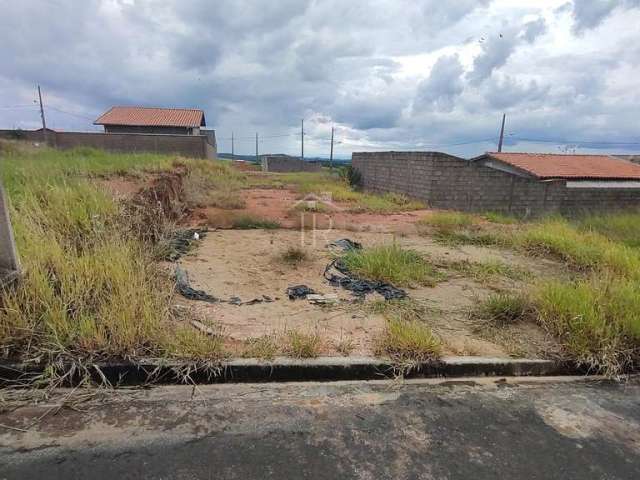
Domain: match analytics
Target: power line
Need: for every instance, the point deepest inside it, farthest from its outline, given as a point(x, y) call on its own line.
point(10, 107)
point(70, 113)
point(576, 142)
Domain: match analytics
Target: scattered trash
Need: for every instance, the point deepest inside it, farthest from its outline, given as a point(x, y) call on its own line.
point(328, 299)
point(344, 245)
point(358, 286)
point(185, 289)
point(181, 241)
point(299, 291)
point(202, 327)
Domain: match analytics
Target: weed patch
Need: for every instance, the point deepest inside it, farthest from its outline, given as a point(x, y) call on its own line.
point(265, 347)
point(302, 345)
point(392, 264)
point(294, 256)
point(249, 222)
point(596, 320)
point(483, 271)
point(504, 309)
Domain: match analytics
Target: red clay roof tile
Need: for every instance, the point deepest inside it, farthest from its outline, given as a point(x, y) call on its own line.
point(550, 165)
point(157, 117)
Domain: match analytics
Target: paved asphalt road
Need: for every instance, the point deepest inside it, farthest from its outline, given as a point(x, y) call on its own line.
point(369, 430)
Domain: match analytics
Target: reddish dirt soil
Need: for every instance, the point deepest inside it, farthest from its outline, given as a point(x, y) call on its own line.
point(278, 204)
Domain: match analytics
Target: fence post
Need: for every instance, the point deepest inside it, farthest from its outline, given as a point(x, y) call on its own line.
point(9, 264)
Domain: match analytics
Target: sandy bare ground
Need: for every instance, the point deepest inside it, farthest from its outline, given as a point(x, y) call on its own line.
point(245, 263)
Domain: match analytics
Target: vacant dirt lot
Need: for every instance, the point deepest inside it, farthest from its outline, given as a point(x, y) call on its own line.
point(247, 264)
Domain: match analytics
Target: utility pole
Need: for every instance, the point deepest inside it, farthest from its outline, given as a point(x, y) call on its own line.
point(302, 140)
point(504, 115)
point(257, 157)
point(233, 151)
point(331, 154)
point(44, 123)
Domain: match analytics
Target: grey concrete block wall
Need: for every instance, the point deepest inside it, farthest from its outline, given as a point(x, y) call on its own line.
point(448, 182)
point(278, 163)
point(194, 146)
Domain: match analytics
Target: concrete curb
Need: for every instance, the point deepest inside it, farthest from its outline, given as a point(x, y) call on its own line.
point(284, 369)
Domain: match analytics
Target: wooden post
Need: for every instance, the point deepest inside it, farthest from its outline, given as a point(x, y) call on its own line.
point(9, 264)
point(302, 140)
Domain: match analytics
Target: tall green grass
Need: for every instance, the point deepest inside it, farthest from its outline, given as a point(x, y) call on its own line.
point(583, 250)
point(623, 227)
point(90, 287)
point(393, 264)
point(597, 320)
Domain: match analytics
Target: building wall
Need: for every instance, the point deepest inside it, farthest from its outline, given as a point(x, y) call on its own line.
point(184, 145)
point(277, 163)
point(448, 182)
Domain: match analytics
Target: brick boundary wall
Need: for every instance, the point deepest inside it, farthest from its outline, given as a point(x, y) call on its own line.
point(448, 182)
point(195, 146)
point(288, 164)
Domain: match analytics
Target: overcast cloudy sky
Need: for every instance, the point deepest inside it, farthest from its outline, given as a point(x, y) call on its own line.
point(390, 74)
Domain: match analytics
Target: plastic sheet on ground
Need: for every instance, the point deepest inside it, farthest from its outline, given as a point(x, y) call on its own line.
point(339, 275)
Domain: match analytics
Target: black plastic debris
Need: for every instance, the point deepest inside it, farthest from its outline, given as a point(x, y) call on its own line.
point(182, 241)
point(299, 291)
point(358, 286)
point(344, 245)
point(185, 289)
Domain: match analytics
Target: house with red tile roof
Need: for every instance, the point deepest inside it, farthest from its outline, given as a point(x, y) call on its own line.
point(573, 168)
point(172, 121)
point(516, 183)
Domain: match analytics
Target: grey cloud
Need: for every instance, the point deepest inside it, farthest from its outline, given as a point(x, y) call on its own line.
point(588, 14)
point(442, 86)
point(509, 92)
point(261, 66)
point(534, 29)
point(500, 45)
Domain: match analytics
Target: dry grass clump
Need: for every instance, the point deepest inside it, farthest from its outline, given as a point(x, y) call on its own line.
point(302, 345)
point(294, 256)
point(407, 337)
point(264, 347)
